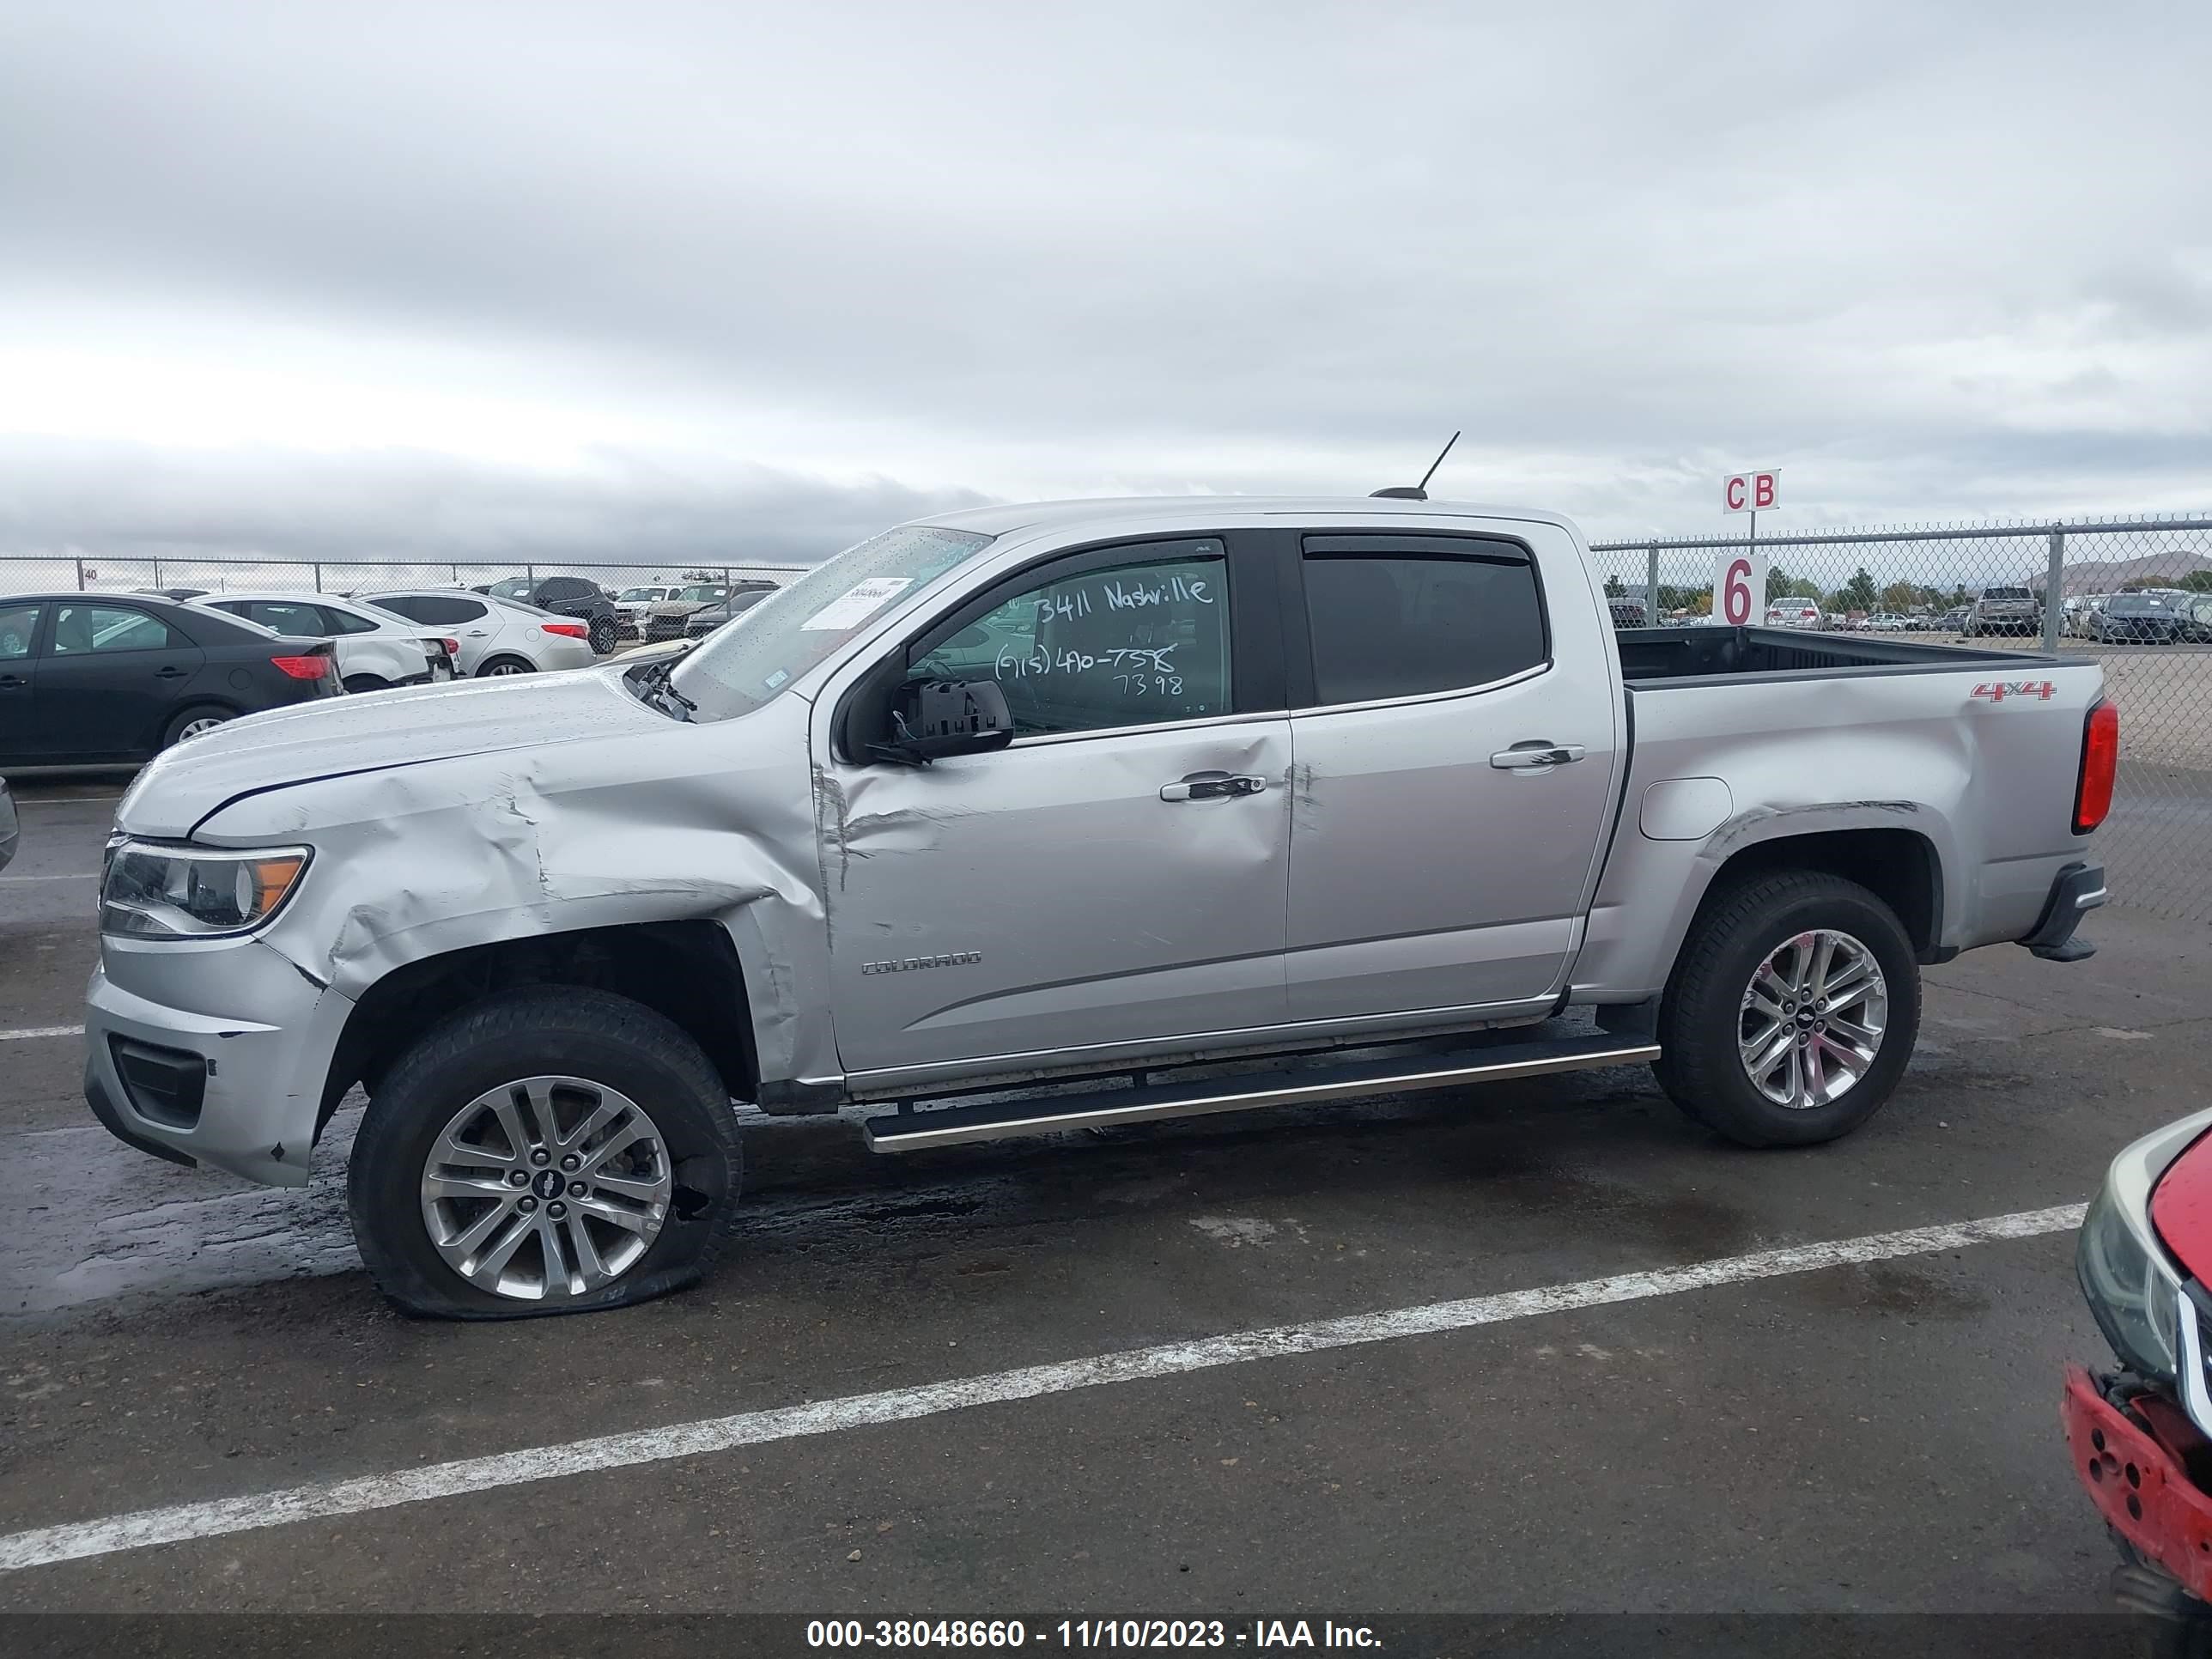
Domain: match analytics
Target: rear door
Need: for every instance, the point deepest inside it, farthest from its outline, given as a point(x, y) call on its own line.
point(1452, 781)
point(111, 677)
point(21, 737)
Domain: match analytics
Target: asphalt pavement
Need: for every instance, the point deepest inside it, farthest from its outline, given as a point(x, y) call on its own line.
point(1537, 1348)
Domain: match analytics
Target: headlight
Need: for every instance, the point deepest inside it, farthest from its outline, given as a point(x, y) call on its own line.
point(178, 892)
point(2130, 1289)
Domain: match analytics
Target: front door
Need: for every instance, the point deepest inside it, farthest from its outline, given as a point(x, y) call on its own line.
point(1456, 780)
point(1114, 879)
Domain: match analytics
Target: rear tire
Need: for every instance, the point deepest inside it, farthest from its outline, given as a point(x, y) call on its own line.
point(191, 722)
point(499, 666)
point(605, 637)
point(1726, 1050)
point(437, 1150)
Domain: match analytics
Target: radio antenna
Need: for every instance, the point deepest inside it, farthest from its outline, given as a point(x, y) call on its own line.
point(1418, 492)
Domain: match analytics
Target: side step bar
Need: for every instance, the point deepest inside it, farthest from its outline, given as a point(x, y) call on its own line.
point(950, 1126)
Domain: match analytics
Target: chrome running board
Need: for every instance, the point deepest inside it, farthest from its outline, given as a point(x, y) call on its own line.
point(909, 1131)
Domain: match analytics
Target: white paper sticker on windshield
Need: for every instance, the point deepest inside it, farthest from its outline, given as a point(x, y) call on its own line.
point(857, 604)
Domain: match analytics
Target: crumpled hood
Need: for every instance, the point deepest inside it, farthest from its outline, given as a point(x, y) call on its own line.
point(338, 736)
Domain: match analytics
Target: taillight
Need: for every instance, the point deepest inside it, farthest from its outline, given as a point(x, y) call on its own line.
point(452, 647)
point(2100, 760)
point(574, 630)
point(303, 668)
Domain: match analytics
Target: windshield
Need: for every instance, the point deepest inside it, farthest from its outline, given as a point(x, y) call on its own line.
point(2132, 604)
point(2004, 593)
point(639, 595)
point(797, 626)
point(514, 587)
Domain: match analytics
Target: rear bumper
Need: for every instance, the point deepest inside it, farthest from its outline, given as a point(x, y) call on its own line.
point(2137, 1483)
point(2076, 890)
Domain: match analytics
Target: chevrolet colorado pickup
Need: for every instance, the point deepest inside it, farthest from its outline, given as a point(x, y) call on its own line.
point(1110, 812)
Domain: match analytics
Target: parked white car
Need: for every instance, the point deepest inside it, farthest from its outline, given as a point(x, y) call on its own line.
point(376, 649)
point(1888, 622)
point(1793, 613)
point(497, 636)
point(634, 605)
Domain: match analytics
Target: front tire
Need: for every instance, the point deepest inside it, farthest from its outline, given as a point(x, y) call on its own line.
point(1792, 1009)
point(567, 1089)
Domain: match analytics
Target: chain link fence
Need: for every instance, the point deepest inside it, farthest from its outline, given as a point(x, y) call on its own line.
point(33, 573)
point(2136, 594)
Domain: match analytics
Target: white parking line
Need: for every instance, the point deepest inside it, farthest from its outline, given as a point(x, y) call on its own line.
point(41, 1031)
point(73, 875)
point(44, 1546)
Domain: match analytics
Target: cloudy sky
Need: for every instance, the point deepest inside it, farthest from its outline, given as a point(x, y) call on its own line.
point(729, 280)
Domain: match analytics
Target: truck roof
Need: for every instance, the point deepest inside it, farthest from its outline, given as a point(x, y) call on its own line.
point(1117, 512)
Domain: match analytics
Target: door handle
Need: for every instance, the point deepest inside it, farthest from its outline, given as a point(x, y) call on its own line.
point(477, 633)
point(1212, 786)
point(168, 673)
point(1536, 756)
point(7, 680)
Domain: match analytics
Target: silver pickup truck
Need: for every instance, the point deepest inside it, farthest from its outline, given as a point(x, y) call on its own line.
point(1091, 813)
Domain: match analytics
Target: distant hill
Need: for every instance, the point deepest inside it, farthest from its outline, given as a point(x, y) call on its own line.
point(2110, 575)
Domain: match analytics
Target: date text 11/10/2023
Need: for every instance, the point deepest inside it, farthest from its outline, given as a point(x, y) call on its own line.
point(1087, 1633)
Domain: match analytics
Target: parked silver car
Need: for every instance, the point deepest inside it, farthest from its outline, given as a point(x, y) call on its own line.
point(1057, 792)
point(497, 636)
point(377, 649)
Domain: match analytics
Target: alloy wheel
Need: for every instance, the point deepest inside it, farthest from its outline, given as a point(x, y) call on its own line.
point(1812, 1017)
point(546, 1188)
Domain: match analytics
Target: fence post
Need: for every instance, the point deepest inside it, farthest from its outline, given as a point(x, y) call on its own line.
point(2054, 590)
point(530, 573)
point(80, 573)
point(319, 575)
point(1651, 586)
point(157, 573)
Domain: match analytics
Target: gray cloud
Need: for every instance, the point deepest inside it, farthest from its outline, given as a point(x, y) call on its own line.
point(1934, 261)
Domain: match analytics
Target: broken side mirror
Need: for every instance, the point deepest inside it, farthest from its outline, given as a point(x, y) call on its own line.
point(934, 720)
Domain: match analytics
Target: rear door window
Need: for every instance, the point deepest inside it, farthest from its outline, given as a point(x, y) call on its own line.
point(86, 629)
point(295, 616)
point(435, 607)
point(1403, 616)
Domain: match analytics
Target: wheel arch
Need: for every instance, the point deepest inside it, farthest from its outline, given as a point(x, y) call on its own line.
point(687, 970)
point(1903, 867)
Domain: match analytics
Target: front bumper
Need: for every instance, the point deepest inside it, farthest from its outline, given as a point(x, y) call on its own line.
point(2136, 1475)
point(255, 1098)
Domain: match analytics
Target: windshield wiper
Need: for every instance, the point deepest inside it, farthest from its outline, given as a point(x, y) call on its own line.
point(654, 680)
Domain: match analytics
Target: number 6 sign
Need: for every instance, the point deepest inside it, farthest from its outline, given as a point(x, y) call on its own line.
point(1739, 588)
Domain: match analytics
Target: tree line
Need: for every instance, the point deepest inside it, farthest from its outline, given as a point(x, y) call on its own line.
point(1864, 591)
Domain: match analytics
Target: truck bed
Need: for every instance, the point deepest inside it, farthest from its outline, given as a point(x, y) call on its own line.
point(1675, 656)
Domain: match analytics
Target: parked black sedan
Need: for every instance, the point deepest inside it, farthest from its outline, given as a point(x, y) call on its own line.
point(568, 596)
point(2133, 618)
point(89, 678)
